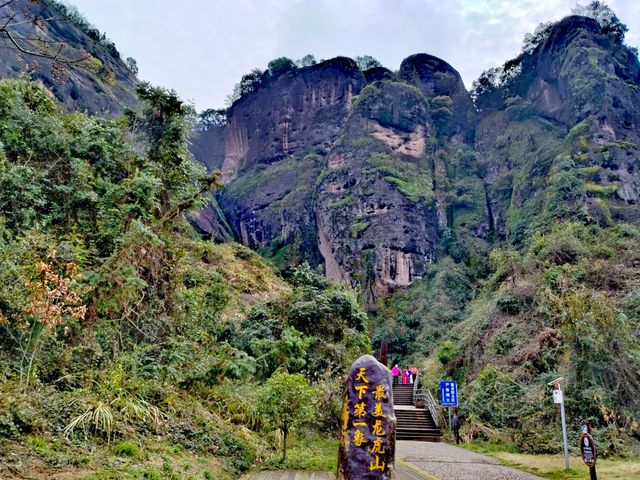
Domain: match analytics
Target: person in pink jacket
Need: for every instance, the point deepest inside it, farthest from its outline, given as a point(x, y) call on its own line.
point(395, 371)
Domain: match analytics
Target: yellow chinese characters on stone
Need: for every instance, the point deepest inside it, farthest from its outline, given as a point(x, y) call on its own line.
point(377, 446)
point(380, 392)
point(360, 376)
point(358, 438)
point(377, 428)
point(376, 466)
point(377, 411)
point(359, 410)
point(361, 389)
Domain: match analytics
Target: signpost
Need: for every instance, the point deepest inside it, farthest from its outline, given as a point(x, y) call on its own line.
point(588, 450)
point(558, 398)
point(449, 395)
point(368, 431)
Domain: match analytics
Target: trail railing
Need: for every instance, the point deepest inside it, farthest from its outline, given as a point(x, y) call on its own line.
point(429, 402)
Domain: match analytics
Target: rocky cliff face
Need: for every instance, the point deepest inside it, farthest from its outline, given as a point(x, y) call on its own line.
point(297, 110)
point(562, 142)
point(376, 211)
point(376, 175)
point(275, 144)
point(91, 76)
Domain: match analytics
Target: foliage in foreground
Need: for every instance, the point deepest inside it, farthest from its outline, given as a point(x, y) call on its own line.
point(117, 323)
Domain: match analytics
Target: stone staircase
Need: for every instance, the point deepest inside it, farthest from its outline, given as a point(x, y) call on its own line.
point(412, 423)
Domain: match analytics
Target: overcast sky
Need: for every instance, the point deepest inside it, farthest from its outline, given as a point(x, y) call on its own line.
point(201, 48)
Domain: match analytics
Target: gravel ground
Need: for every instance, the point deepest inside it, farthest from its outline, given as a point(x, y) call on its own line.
point(447, 462)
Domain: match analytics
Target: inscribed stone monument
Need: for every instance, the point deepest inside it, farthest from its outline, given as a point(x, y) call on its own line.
point(368, 429)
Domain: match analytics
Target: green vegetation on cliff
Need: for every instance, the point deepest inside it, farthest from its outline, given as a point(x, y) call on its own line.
point(552, 289)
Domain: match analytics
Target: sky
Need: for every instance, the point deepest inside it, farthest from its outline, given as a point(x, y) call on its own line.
point(201, 48)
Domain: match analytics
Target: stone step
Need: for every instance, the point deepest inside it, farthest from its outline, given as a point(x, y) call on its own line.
point(418, 431)
point(416, 415)
point(420, 418)
point(413, 423)
point(422, 438)
point(417, 427)
point(417, 420)
point(421, 428)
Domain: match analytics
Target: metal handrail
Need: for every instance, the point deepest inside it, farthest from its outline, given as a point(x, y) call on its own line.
point(431, 405)
point(429, 401)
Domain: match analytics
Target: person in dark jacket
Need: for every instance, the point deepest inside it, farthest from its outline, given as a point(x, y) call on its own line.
point(455, 426)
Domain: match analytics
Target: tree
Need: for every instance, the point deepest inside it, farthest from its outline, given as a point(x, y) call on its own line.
point(280, 65)
point(286, 402)
point(365, 62)
point(164, 127)
point(52, 301)
point(605, 16)
point(211, 118)
point(539, 35)
point(306, 61)
point(132, 65)
point(488, 82)
point(248, 83)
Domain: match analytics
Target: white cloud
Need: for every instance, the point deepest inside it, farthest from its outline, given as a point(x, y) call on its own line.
point(202, 47)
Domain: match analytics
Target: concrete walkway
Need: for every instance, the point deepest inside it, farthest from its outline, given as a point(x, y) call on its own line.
point(441, 461)
point(424, 461)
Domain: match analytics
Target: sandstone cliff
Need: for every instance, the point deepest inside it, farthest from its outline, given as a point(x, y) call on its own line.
point(377, 174)
point(562, 142)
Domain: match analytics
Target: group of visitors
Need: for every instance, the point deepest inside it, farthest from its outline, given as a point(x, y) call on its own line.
point(408, 375)
point(404, 375)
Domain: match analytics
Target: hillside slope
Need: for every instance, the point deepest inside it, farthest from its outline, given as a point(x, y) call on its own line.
point(129, 346)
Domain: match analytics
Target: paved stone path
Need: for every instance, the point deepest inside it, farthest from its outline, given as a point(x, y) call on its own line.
point(424, 461)
point(441, 461)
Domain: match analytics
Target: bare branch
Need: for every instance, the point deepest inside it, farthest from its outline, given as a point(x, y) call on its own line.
point(25, 44)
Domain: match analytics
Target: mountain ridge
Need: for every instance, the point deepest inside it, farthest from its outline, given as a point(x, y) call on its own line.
point(472, 206)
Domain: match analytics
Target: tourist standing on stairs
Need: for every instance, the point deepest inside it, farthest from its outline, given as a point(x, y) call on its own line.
point(405, 375)
point(395, 372)
point(414, 373)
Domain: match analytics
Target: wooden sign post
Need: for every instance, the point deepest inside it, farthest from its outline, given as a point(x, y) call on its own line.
point(368, 430)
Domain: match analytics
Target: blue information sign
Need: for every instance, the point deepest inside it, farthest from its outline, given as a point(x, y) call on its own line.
point(449, 393)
